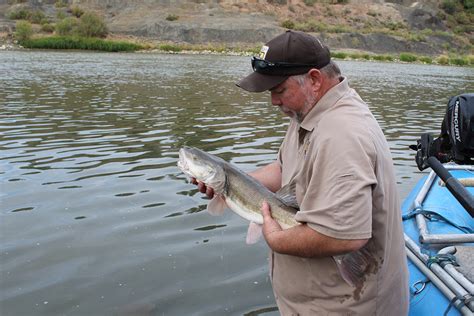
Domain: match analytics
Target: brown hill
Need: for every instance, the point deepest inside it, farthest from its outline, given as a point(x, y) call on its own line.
point(424, 27)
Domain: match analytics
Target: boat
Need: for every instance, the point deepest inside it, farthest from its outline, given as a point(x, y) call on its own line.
point(438, 219)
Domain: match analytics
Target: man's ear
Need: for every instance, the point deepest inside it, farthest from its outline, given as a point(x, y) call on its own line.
point(316, 78)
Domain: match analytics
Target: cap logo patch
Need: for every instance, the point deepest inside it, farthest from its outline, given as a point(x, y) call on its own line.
point(263, 52)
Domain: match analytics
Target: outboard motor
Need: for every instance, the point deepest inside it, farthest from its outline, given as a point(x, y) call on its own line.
point(456, 140)
point(454, 144)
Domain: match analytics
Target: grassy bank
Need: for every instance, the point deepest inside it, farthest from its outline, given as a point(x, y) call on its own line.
point(75, 42)
point(452, 59)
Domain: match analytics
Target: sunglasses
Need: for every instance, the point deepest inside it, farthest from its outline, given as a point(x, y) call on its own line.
point(279, 68)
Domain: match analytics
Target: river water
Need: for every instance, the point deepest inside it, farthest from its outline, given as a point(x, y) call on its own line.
point(95, 217)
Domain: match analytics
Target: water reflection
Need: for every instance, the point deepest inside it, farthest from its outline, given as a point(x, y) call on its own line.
point(96, 218)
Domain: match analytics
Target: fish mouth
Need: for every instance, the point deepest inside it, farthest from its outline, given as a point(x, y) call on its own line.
point(182, 162)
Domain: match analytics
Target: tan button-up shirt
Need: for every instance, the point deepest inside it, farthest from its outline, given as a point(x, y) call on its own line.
point(346, 189)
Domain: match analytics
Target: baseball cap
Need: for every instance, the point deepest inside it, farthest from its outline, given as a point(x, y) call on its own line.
point(288, 54)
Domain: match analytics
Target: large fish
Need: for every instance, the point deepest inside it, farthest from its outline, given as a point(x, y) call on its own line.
point(245, 195)
point(242, 194)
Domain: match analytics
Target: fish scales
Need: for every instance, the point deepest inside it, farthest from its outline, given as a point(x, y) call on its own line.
point(250, 194)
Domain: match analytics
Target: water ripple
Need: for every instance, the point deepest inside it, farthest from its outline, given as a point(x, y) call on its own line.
point(94, 208)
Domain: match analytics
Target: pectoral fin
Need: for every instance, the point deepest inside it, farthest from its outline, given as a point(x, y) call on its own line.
point(287, 194)
point(254, 233)
point(217, 205)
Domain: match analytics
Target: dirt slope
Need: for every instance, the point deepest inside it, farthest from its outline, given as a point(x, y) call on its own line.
point(360, 25)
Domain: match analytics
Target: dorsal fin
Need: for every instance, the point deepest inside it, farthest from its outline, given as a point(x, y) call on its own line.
point(287, 194)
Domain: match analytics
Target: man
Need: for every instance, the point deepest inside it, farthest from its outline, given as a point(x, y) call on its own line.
point(348, 256)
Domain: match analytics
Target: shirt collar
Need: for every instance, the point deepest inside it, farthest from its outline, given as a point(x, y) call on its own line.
point(325, 103)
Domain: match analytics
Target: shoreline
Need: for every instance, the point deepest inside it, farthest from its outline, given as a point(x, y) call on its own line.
point(151, 47)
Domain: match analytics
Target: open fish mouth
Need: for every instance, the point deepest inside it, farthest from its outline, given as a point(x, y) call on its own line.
point(182, 163)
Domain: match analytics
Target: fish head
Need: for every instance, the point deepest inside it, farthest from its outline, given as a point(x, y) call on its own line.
point(204, 167)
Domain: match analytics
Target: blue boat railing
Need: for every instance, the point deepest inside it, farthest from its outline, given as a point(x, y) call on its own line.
point(425, 236)
point(440, 226)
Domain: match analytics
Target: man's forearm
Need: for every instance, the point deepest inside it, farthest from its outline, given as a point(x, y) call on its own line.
point(303, 241)
point(269, 176)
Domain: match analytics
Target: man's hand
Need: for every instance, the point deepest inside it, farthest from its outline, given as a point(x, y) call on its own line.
point(271, 229)
point(203, 188)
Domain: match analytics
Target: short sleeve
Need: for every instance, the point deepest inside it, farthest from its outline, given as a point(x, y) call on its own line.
point(338, 200)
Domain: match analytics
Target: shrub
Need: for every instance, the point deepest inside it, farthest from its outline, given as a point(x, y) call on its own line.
point(355, 56)
point(48, 28)
point(378, 57)
point(169, 48)
point(443, 60)
point(372, 13)
point(417, 37)
point(61, 15)
point(288, 24)
point(459, 61)
point(60, 3)
point(37, 17)
point(23, 31)
point(67, 26)
point(76, 11)
point(407, 57)
point(468, 5)
point(91, 25)
point(309, 3)
point(426, 59)
point(172, 17)
point(19, 14)
point(462, 18)
point(427, 32)
point(449, 6)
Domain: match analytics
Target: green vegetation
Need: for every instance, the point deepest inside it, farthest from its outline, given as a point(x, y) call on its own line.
point(67, 26)
point(172, 17)
point(72, 42)
point(60, 4)
point(426, 59)
point(88, 25)
point(309, 3)
point(459, 61)
point(407, 57)
point(77, 11)
point(91, 25)
point(47, 28)
point(339, 55)
point(81, 30)
point(313, 25)
point(471, 59)
point(170, 48)
point(20, 13)
point(443, 60)
point(449, 6)
point(288, 24)
point(24, 30)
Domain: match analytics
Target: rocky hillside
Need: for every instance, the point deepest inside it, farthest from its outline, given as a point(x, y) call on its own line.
point(428, 27)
